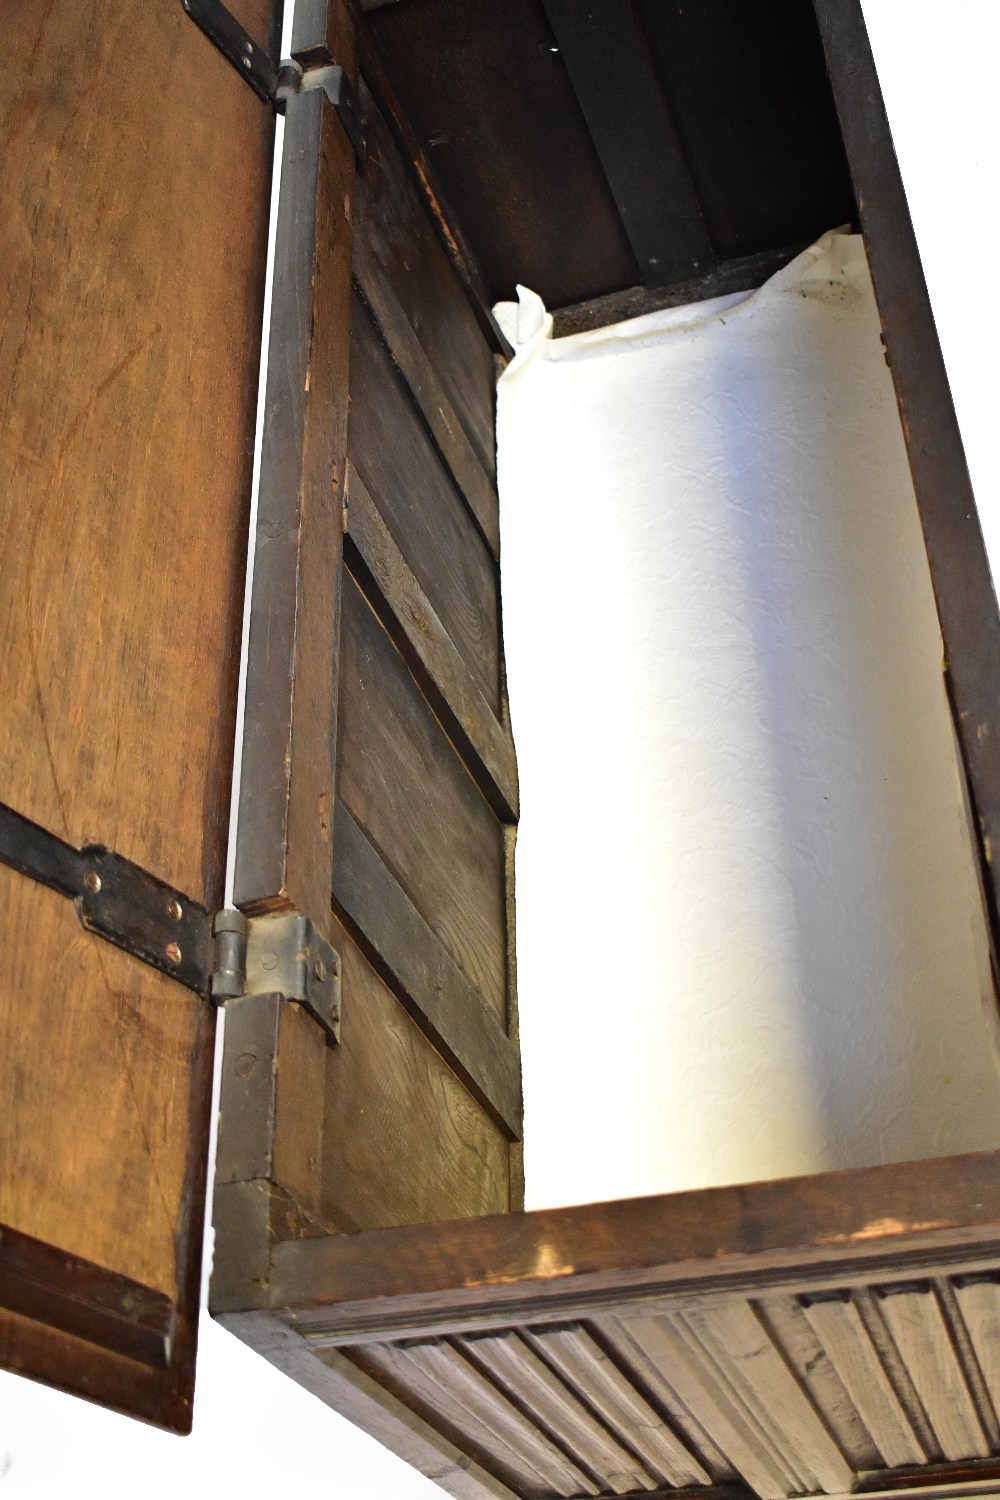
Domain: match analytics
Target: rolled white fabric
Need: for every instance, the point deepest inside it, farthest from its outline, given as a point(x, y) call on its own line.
point(750, 934)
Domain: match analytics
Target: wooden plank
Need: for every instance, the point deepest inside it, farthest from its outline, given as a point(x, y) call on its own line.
point(918, 1328)
point(128, 320)
point(749, 1362)
point(362, 1400)
point(444, 1380)
point(809, 1362)
point(472, 481)
point(524, 1266)
point(514, 1366)
point(446, 227)
point(404, 1140)
point(979, 1302)
point(42, 1282)
point(270, 1107)
point(589, 1369)
point(743, 274)
point(403, 782)
point(963, 586)
point(636, 140)
point(843, 1335)
point(492, 105)
point(397, 228)
point(283, 844)
point(407, 614)
point(404, 474)
point(666, 1355)
point(423, 976)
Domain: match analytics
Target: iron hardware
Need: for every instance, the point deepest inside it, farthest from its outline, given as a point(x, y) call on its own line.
point(279, 954)
point(139, 913)
point(274, 82)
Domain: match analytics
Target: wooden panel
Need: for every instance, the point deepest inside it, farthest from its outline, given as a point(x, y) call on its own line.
point(925, 1344)
point(450, 438)
point(612, 74)
point(513, 1365)
point(666, 1352)
point(751, 1367)
point(810, 1363)
point(960, 572)
point(395, 233)
point(764, 1339)
point(78, 1297)
point(589, 1370)
point(426, 981)
point(979, 1302)
point(492, 105)
point(128, 366)
point(401, 780)
point(283, 850)
point(377, 563)
point(424, 512)
point(443, 1380)
point(404, 1142)
point(839, 1327)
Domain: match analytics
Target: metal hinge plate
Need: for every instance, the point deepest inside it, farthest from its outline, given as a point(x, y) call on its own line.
point(274, 81)
point(279, 954)
point(126, 905)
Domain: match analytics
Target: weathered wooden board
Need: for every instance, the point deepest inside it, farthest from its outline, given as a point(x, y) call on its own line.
point(827, 1334)
point(128, 373)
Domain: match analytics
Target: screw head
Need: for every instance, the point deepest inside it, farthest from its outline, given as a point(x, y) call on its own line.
point(173, 953)
point(174, 909)
point(92, 881)
point(319, 969)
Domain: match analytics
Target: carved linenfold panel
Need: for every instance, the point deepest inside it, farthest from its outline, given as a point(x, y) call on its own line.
point(801, 1392)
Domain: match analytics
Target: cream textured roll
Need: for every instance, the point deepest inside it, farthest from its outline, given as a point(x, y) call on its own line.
point(750, 935)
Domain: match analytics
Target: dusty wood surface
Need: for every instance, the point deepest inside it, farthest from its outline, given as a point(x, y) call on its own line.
point(404, 1140)
point(484, 743)
point(128, 367)
point(818, 1335)
point(960, 572)
point(409, 482)
point(284, 837)
point(403, 783)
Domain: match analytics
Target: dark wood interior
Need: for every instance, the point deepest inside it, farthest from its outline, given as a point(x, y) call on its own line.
point(834, 1334)
point(588, 150)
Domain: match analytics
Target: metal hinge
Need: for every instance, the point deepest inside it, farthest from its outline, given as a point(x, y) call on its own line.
point(273, 81)
point(139, 913)
point(279, 954)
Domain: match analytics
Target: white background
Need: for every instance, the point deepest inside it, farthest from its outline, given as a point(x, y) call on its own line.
point(255, 1434)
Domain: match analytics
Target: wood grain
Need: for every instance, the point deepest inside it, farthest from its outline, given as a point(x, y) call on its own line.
point(401, 780)
point(513, 1365)
point(918, 1328)
point(403, 1140)
point(283, 850)
point(426, 981)
point(129, 320)
point(395, 231)
point(960, 572)
point(466, 468)
point(440, 1378)
point(590, 1371)
point(392, 589)
point(838, 1325)
point(426, 516)
point(979, 1302)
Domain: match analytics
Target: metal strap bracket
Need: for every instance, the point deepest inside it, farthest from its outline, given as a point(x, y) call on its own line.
point(139, 913)
point(274, 81)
